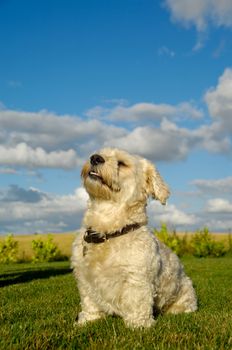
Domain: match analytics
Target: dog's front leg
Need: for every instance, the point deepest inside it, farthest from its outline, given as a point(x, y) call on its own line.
point(90, 310)
point(137, 304)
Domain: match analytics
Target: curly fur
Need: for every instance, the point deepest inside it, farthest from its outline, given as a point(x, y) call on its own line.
point(134, 274)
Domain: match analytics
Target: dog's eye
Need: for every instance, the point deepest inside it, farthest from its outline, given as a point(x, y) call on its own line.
point(121, 163)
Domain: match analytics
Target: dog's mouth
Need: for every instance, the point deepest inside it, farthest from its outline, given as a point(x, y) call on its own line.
point(95, 176)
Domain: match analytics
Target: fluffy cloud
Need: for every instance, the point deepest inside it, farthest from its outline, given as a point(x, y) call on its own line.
point(201, 13)
point(51, 131)
point(45, 140)
point(170, 142)
point(219, 101)
point(219, 224)
point(223, 186)
point(219, 205)
point(23, 155)
point(165, 143)
point(34, 211)
point(171, 215)
point(145, 112)
point(217, 214)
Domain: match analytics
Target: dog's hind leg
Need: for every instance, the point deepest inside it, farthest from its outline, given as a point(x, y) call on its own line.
point(186, 300)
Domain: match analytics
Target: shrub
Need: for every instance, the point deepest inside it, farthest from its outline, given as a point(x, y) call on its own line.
point(8, 250)
point(45, 251)
point(230, 243)
point(172, 240)
point(203, 245)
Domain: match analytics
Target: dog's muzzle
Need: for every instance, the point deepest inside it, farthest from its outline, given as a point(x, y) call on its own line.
point(96, 159)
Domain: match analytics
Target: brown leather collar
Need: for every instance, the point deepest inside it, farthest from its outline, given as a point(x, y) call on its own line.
point(92, 236)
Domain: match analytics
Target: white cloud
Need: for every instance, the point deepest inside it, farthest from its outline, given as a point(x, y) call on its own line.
point(44, 139)
point(219, 205)
point(216, 137)
point(216, 215)
point(165, 143)
point(48, 212)
point(171, 215)
point(170, 142)
point(201, 13)
point(144, 112)
point(223, 186)
point(50, 131)
point(219, 225)
point(219, 100)
point(23, 155)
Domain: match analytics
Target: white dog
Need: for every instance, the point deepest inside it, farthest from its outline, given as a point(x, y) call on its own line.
point(120, 266)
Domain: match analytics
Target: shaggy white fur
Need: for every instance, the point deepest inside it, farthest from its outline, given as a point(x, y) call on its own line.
point(131, 274)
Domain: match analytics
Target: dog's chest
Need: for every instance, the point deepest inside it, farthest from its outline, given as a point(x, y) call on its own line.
point(95, 258)
point(105, 263)
point(95, 254)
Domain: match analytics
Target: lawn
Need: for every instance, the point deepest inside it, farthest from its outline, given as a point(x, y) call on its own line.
point(38, 304)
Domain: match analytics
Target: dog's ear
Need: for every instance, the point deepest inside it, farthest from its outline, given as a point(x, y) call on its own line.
point(155, 185)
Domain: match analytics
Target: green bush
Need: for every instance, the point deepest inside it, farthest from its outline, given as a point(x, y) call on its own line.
point(230, 243)
point(203, 245)
point(8, 250)
point(45, 251)
point(172, 240)
point(200, 245)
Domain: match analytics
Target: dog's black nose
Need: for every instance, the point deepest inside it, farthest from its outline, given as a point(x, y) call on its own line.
point(96, 159)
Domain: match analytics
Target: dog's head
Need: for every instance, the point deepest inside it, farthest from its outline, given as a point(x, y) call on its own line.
point(113, 174)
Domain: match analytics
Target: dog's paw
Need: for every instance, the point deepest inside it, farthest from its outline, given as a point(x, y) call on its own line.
point(84, 317)
point(139, 323)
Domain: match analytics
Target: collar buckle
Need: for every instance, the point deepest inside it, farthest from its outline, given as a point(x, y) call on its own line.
point(92, 236)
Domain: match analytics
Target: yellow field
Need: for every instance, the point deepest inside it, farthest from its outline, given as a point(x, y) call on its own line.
point(64, 241)
point(219, 237)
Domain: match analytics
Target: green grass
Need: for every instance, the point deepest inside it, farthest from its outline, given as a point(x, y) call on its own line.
point(38, 304)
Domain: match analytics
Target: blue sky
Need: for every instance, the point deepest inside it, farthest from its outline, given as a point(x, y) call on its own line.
point(152, 77)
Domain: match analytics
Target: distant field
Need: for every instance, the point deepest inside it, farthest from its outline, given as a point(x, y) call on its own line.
point(64, 241)
point(220, 236)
